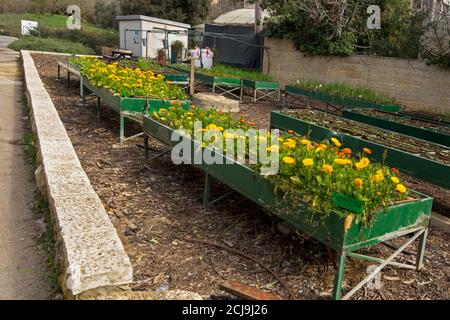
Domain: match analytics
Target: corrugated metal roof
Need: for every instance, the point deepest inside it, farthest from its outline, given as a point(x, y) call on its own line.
point(239, 16)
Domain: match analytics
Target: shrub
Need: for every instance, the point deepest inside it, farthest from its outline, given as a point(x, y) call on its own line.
point(50, 44)
point(88, 38)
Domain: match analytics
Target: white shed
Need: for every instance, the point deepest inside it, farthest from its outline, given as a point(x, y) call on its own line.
point(145, 35)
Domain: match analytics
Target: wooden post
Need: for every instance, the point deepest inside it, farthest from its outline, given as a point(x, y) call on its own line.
point(192, 77)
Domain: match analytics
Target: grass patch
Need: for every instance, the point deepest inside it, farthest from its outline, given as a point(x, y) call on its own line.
point(50, 44)
point(10, 23)
point(347, 91)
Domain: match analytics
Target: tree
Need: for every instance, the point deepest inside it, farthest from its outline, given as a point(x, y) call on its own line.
point(106, 13)
point(187, 11)
point(339, 27)
point(436, 41)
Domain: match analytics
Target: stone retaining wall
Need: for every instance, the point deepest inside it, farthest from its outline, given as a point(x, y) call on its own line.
point(412, 82)
point(90, 254)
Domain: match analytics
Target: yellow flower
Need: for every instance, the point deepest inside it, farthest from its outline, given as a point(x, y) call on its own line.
point(343, 162)
point(305, 142)
point(321, 147)
point(273, 148)
point(290, 144)
point(336, 142)
point(363, 163)
point(289, 160)
point(395, 180)
point(401, 188)
point(378, 178)
point(308, 162)
point(359, 183)
point(327, 169)
point(228, 135)
point(212, 127)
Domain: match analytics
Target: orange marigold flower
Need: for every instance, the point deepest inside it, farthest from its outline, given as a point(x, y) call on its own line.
point(367, 151)
point(347, 151)
point(395, 170)
point(291, 131)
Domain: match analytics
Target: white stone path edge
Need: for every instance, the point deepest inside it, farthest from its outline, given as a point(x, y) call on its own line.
point(90, 254)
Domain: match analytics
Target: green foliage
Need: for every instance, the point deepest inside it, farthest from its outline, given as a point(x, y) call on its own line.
point(107, 38)
point(50, 44)
point(400, 33)
point(345, 90)
point(343, 34)
point(191, 11)
point(437, 57)
point(221, 70)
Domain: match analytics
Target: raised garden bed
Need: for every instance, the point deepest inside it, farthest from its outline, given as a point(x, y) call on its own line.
point(400, 123)
point(418, 158)
point(260, 85)
point(345, 102)
point(410, 217)
point(129, 107)
point(132, 108)
point(177, 77)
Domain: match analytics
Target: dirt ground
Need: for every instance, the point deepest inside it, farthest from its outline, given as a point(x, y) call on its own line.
point(157, 208)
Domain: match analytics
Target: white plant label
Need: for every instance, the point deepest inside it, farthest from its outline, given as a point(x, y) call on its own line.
point(374, 20)
point(28, 26)
point(74, 21)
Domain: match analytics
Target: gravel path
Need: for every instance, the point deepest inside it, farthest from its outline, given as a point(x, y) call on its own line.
point(22, 267)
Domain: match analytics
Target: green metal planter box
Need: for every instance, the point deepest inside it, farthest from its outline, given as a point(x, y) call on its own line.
point(177, 78)
point(396, 221)
point(343, 101)
point(128, 107)
point(262, 85)
point(428, 170)
point(410, 130)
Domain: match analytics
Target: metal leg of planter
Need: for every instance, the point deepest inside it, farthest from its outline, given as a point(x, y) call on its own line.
point(214, 88)
point(421, 249)
point(82, 94)
point(386, 262)
point(68, 79)
point(339, 276)
point(122, 129)
point(59, 72)
point(99, 102)
point(206, 191)
point(146, 153)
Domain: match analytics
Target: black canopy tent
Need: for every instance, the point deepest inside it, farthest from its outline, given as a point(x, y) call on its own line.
point(235, 45)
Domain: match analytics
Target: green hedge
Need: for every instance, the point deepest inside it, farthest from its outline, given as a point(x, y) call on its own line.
point(50, 44)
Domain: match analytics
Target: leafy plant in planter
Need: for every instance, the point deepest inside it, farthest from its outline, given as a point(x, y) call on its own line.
point(127, 82)
point(177, 47)
point(347, 91)
point(310, 172)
